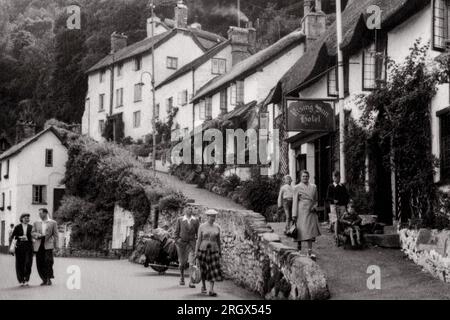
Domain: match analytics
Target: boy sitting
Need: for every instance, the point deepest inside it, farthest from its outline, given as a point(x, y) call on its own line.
point(351, 222)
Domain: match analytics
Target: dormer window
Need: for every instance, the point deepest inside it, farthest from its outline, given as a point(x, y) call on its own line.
point(219, 66)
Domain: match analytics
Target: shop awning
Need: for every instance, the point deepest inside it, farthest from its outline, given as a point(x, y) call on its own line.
point(305, 137)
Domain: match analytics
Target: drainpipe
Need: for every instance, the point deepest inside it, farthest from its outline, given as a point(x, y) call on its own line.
point(193, 92)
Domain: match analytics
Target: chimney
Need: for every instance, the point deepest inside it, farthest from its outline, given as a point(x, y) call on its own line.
point(118, 41)
point(240, 39)
point(314, 22)
point(149, 27)
point(251, 37)
point(181, 15)
point(24, 130)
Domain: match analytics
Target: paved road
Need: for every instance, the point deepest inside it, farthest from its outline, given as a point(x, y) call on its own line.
point(107, 279)
point(201, 196)
point(346, 272)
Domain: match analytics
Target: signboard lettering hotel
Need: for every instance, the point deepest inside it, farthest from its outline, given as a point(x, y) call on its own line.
point(310, 115)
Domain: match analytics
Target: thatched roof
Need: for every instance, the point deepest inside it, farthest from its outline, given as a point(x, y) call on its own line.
point(251, 64)
point(315, 60)
point(206, 40)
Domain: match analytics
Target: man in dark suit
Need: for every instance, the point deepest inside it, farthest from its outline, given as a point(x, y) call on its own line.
point(24, 249)
point(186, 230)
point(45, 232)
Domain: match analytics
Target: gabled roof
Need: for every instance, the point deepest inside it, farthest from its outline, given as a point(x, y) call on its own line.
point(251, 64)
point(20, 146)
point(315, 60)
point(194, 64)
point(206, 40)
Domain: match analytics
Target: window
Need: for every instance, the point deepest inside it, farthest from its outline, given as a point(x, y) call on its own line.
point(440, 24)
point(219, 66)
point(172, 63)
point(102, 76)
point(332, 82)
point(138, 92)
point(39, 194)
point(169, 105)
point(101, 102)
point(119, 69)
point(49, 157)
point(202, 110)
point(136, 119)
point(10, 200)
point(223, 101)
point(239, 92)
point(0, 171)
point(2, 207)
point(183, 98)
point(101, 126)
point(208, 108)
point(119, 97)
point(233, 95)
point(6, 176)
point(157, 108)
point(444, 120)
point(137, 63)
point(374, 63)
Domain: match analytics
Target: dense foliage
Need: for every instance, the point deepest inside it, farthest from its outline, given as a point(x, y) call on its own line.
point(398, 114)
point(98, 177)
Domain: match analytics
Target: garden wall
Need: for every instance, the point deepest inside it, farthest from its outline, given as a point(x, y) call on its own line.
point(429, 249)
point(255, 258)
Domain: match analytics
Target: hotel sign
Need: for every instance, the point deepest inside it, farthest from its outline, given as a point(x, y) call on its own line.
point(310, 115)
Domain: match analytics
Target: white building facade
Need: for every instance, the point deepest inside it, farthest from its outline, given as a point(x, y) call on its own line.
point(31, 178)
point(120, 86)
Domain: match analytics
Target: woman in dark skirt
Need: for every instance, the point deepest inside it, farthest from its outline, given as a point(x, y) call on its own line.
point(208, 252)
point(24, 249)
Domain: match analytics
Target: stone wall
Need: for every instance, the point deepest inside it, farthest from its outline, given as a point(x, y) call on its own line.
point(429, 249)
point(255, 258)
point(103, 254)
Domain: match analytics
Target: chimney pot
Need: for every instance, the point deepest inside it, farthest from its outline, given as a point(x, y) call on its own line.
point(118, 41)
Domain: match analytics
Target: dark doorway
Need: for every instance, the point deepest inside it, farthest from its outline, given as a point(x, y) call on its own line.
point(58, 194)
point(323, 166)
point(301, 165)
point(3, 233)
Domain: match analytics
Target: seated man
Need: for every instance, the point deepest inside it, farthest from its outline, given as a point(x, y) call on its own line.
point(351, 223)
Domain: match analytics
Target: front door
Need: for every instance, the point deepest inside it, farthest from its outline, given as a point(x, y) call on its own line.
point(58, 194)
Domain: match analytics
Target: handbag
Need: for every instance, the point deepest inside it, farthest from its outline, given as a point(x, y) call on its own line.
point(12, 247)
point(292, 231)
point(196, 276)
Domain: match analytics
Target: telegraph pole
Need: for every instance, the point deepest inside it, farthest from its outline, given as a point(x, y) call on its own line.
point(341, 92)
point(152, 5)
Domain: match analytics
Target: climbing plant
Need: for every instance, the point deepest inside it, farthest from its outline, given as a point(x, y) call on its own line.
point(398, 113)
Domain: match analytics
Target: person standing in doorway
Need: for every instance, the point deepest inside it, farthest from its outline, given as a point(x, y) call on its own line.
point(304, 213)
point(285, 200)
point(186, 230)
point(24, 249)
point(45, 232)
point(338, 198)
point(10, 234)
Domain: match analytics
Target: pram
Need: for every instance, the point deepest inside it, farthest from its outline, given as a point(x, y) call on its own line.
point(343, 238)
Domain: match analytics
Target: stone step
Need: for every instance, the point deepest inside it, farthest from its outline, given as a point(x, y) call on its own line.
point(390, 229)
point(383, 240)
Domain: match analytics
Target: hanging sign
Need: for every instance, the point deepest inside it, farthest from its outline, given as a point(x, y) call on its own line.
point(310, 115)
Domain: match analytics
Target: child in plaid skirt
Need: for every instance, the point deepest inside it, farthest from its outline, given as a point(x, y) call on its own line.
point(209, 252)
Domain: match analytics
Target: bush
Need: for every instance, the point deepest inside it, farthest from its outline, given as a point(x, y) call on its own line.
point(172, 202)
point(260, 193)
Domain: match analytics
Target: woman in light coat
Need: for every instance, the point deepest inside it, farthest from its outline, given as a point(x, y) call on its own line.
point(304, 212)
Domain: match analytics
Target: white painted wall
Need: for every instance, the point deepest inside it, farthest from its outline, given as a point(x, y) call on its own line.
point(27, 168)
